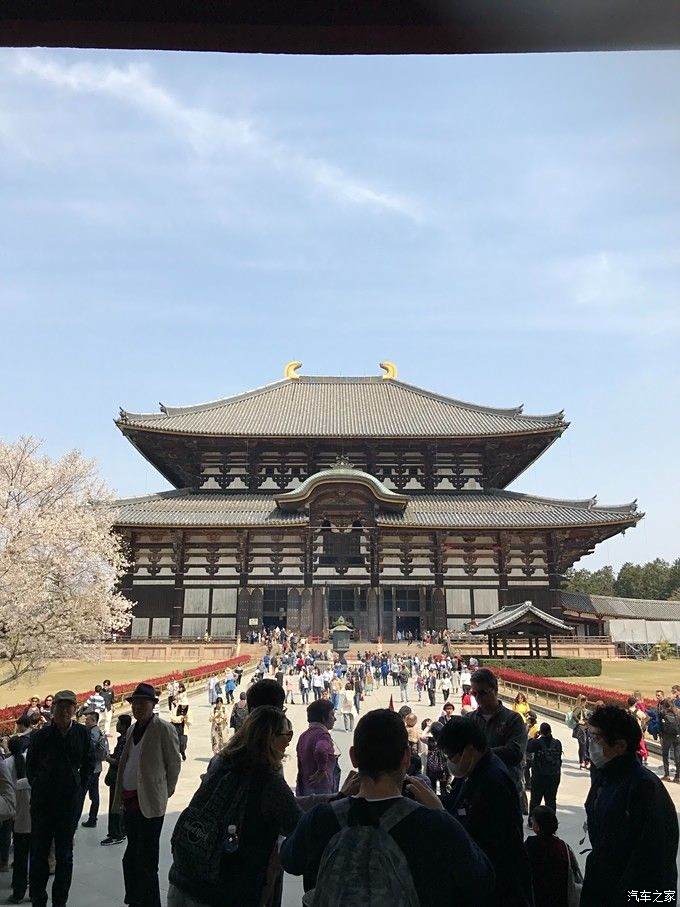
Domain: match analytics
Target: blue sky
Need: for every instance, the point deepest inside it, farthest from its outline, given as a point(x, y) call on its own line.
point(176, 227)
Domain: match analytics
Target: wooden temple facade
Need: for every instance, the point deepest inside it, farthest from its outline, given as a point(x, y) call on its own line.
point(368, 497)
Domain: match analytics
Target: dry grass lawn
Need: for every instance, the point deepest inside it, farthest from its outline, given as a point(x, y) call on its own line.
point(626, 675)
point(83, 675)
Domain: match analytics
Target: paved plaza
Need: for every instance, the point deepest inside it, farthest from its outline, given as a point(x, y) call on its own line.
point(98, 880)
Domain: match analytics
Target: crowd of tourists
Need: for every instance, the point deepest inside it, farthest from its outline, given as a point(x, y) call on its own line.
point(269, 636)
point(400, 830)
point(430, 806)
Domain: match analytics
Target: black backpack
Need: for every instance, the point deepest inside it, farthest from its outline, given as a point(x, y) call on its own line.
point(435, 766)
point(670, 726)
point(548, 757)
point(224, 798)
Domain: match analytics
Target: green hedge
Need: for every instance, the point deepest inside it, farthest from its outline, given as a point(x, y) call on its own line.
point(548, 667)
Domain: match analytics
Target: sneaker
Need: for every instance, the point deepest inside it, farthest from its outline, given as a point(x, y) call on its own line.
point(665, 777)
point(89, 823)
point(108, 840)
point(15, 899)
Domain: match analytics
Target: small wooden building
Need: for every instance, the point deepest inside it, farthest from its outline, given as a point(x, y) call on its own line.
point(518, 631)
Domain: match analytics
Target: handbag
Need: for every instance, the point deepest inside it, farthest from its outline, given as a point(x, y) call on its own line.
point(111, 774)
point(573, 887)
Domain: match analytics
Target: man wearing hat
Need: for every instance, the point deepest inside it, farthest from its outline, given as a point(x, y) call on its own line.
point(59, 764)
point(147, 774)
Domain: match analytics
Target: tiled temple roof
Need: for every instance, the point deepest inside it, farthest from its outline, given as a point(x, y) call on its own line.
point(309, 406)
point(495, 510)
point(612, 606)
point(525, 613)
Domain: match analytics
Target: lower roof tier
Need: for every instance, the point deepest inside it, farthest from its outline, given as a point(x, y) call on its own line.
point(467, 510)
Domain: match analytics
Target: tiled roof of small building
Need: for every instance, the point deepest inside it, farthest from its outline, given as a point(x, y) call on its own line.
point(611, 606)
point(525, 613)
point(310, 406)
point(465, 510)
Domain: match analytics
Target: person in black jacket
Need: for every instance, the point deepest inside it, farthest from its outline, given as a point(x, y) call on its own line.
point(632, 822)
point(546, 768)
point(485, 800)
point(116, 833)
point(505, 730)
point(59, 764)
point(669, 729)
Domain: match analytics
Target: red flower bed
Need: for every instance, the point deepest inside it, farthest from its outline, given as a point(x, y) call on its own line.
point(10, 713)
point(565, 687)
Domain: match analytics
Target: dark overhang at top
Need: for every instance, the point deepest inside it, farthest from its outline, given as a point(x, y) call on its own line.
point(331, 27)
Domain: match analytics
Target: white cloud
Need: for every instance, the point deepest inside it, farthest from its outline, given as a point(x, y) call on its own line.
point(207, 133)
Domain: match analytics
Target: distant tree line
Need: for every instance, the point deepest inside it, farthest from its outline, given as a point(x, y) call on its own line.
point(657, 579)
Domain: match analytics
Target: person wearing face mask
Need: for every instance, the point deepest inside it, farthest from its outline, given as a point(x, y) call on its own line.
point(364, 847)
point(485, 800)
point(632, 822)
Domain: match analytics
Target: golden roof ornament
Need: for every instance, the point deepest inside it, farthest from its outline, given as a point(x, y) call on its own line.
point(389, 369)
point(291, 369)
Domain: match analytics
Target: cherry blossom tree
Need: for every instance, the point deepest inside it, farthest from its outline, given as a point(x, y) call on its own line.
point(59, 560)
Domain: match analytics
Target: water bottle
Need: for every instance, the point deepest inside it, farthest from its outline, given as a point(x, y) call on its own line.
point(231, 841)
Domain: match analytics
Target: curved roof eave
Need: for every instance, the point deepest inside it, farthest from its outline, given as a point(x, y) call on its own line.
point(298, 496)
point(553, 420)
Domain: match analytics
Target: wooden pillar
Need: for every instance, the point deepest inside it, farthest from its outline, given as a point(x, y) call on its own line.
point(438, 615)
point(244, 558)
point(505, 647)
point(293, 609)
point(549, 642)
point(503, 548)
point(178, 564)
point(373, 615)
point(306, 603)
point(490, 645)
point(243, 613)
point(538, 647)
point(424, 615)
point(439, 608)
point(255, 608)
point(552, 546)
point(319, 613)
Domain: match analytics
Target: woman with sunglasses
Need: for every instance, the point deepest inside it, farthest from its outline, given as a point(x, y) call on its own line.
point(242, 808)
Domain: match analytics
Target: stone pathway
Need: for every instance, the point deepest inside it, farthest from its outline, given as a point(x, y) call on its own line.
point(97, 877)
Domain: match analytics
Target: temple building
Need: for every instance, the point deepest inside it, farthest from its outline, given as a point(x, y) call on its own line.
point(368, 497)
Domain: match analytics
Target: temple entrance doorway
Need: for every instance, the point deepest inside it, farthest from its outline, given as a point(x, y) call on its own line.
point(274, 607)
point(407, 623)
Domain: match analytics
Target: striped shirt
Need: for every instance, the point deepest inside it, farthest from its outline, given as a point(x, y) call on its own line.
point(95, 704)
